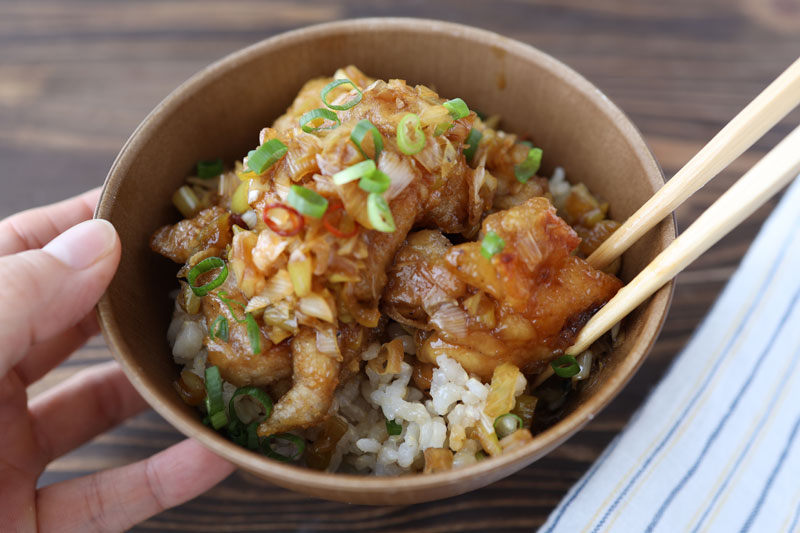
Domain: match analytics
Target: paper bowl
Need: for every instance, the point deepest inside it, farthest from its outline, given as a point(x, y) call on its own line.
point(219, 112)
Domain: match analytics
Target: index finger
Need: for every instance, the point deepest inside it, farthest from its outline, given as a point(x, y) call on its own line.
point(36, 227)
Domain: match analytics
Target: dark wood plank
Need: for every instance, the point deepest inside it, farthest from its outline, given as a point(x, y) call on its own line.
point(77, 76)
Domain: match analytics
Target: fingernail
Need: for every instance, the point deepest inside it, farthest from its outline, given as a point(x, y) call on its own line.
point(84, 244)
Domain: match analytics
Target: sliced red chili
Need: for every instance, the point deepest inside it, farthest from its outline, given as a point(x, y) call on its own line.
point(292, 226)
point(330, 226)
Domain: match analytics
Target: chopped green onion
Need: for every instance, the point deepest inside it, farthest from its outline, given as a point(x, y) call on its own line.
point(526, 143)
point(566, 366)
point(380, 216)
point(492, 244)
point(457, 108)
point(480, 455)
point(360, 131)
point(214, 404)
point(347, 105)
point(528, 168)
point(376, 182)
point(307, 202)
point(505, 425)
point(253, 333)
point(237, 432)
point(219, 328)
point(209, 169)
point(209, 263)
point(298, 444)
point(263, 157)
point(319, 113)
point(252, 436)
point(441, 128)
point(472, 141)
point(357, 171)
point(404, 141)
point(254, 395)
point(393, 428)
point(230, 303)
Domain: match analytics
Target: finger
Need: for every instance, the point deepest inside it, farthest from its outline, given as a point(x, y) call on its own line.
point(115, 500)
point(45, 355)
point(85, 405)
point(34, 228)
point(55, 287)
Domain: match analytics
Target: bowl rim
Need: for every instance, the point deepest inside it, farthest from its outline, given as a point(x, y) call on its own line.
point(290, 475)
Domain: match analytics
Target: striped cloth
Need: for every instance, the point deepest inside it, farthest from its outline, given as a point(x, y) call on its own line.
point(715, 447)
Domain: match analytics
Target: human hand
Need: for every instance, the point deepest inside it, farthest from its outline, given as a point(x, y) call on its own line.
point(46, 312)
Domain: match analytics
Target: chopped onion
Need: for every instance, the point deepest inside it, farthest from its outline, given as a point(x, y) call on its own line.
point(267, 249)
point(250, 218)
point(399, 170)
point(585, 362)
point(300, 272)
point(316, 306)
point(277, 288)
point(327, 341)
point(451, 319)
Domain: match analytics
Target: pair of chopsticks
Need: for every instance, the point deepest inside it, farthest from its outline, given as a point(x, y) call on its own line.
point(758, 185)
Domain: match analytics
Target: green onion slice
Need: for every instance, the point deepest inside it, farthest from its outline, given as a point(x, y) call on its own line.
point(380, 216)
point(492, 245)
point(252, 436)
point(507, 424)
point(214, 403)
point(251, 394)
point(566, 366)
point(457, 108)
point(298, 444)
point(230, 303)
point(393, 428)
point(209, 169)
point(263, 157)
point(357, 171)
point(347, 105)
point(316, 114)
point(471, 142)
point(219, 328)
point(307, 202)
point(237, 432)
point(360, 131)
point(410, 144)
point(528, 168)
point(253, 333)
point(209, 263)
point(377, 182)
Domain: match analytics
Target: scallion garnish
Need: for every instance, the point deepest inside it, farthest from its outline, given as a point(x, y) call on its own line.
point(253, 395)
point(219, 328)
point(263, 157)
point(308, 119)
point(253, 333)
point(209, 263)
point(306, 201)
point(410, 142)
point(209, 169)
point(237, 432)
point(357, 171)
point(380, 216)
point(297, 443)
point(377, 182)
point(528, 168)
point(492, 245)
point(347, 105)
point(441, 128)
point(471, 144)
point(252, 436)
point(507, 424)
point(565, 366)
point(360, 131)
point(393, 428)
point(214, 404)
point(457, 108)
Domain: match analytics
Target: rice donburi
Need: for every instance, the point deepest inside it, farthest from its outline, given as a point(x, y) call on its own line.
point(384, 284)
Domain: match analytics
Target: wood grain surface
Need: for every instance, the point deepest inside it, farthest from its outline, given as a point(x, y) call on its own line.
point(77, 76)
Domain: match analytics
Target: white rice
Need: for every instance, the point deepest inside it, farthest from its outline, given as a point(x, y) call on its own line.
point(455, 404)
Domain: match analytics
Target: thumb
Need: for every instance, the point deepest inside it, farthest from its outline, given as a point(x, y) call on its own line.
point(49, 290)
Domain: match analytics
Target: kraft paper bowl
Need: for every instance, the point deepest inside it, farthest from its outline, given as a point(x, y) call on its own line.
point(219, 112)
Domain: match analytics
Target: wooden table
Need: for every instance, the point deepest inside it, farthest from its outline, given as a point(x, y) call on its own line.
point(76, 77)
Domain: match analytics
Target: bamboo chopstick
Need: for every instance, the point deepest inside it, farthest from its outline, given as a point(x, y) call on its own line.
point(774, 102)
point(758, 185)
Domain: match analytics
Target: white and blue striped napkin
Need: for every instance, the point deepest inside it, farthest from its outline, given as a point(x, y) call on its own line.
point(715, 447)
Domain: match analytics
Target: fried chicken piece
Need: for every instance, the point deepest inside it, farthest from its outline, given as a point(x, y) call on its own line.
point(209, 231)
